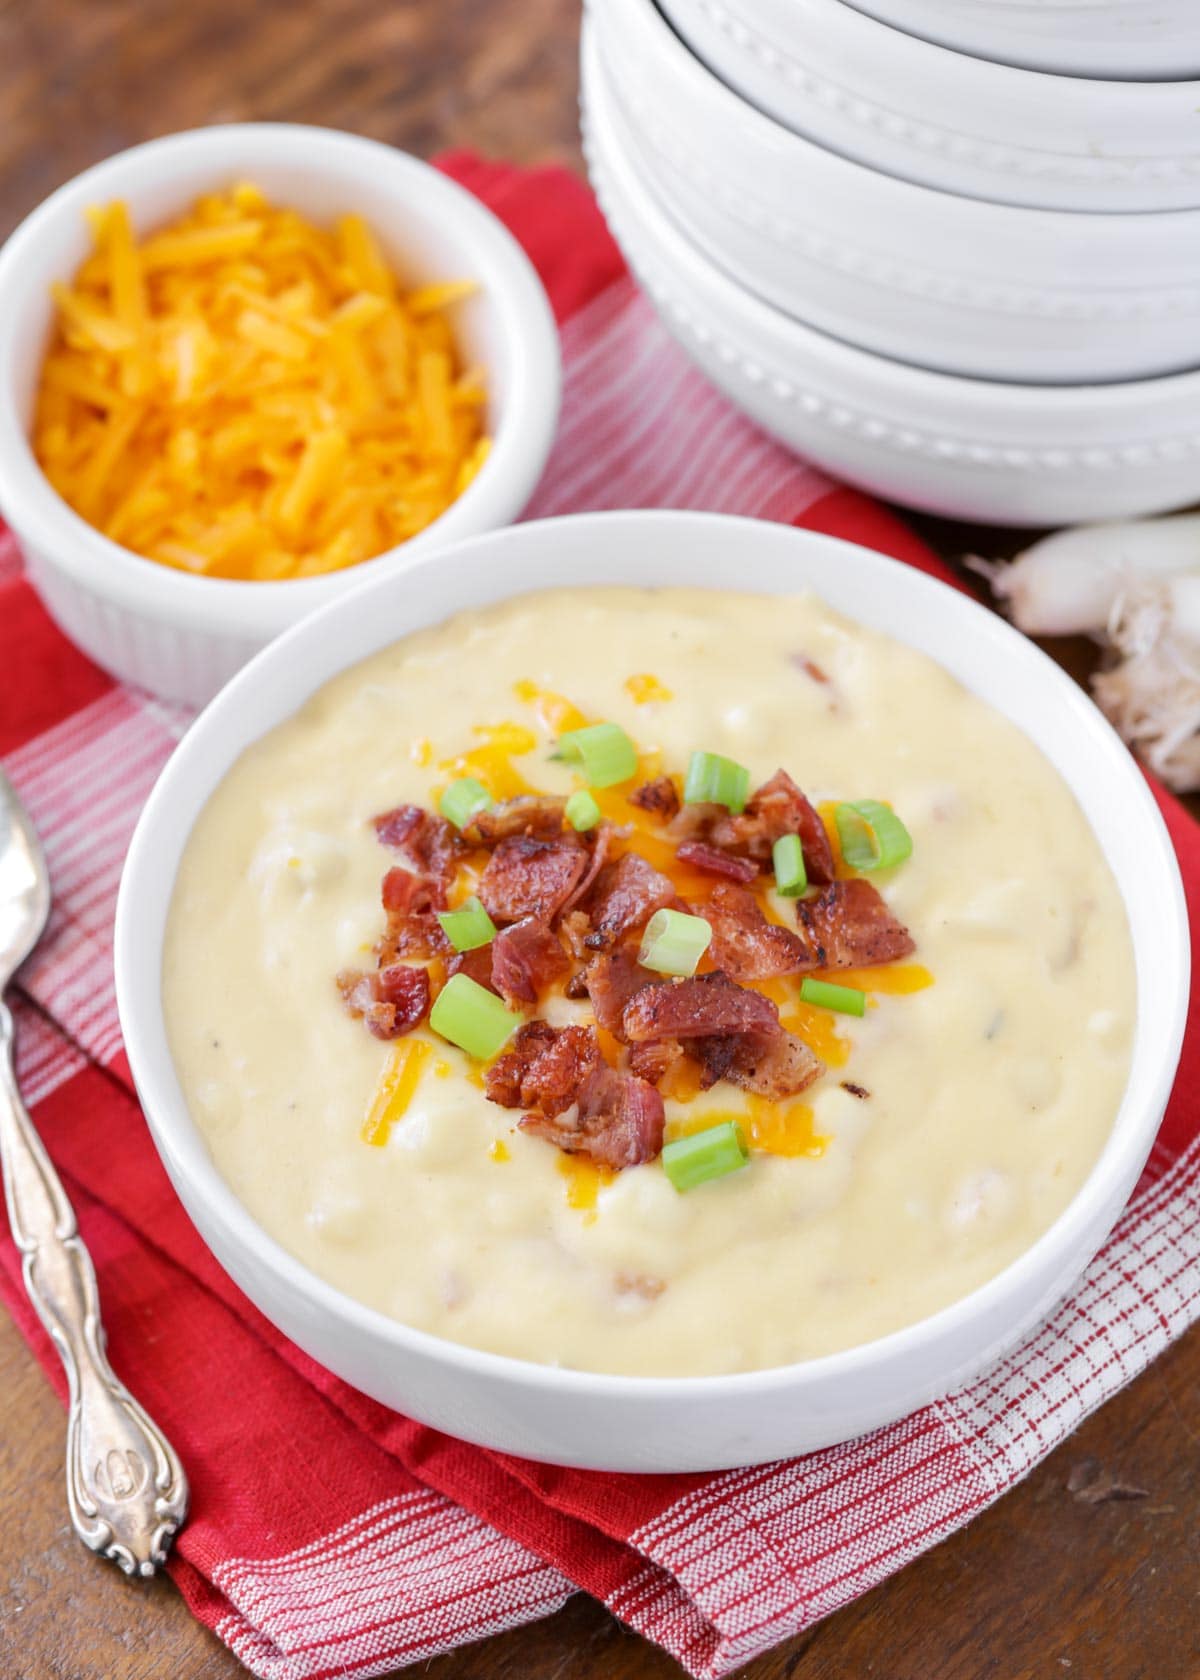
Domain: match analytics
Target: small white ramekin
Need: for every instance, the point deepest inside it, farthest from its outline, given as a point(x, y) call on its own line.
point(663, 1423)
point(183, 636)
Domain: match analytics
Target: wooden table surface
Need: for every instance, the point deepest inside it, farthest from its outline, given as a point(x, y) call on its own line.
point(1048, 1584)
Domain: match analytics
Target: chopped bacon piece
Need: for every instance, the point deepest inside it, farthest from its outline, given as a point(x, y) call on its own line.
point(426, 841)
point(503, 1079)
point(776, 809)
point(391, 1001)
point(848, 925)
point(552, 1081)
point(525, 957)
point(601, 843)
point(711, 860)
point(530, 813)
point(526, 876)
point(476, 965)
point(777, 1066)
point(611, 979)
point(617, 1120)
point(654, 1060)
point(412, 903)
point(811, 669)
point(660, 796)
point(697, 1008)
point(716, 1057)
point(626, 895)
point(745, 944)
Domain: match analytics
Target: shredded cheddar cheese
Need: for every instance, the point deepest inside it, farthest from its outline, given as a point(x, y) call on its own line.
point(645, 688)
point(242, 394)
point(396, 1089)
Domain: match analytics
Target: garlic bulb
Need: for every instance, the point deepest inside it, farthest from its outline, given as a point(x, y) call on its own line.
point(1069, 583)
point(1135, 587)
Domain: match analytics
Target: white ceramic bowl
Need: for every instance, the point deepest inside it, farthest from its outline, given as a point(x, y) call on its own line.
point(183, 636)
point(629, 1423)
point(919, 111)
point(1133, 39)
point(968, 448)
point(991, 290)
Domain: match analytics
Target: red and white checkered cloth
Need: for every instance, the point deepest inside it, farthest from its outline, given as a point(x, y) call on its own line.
point(329, 1536)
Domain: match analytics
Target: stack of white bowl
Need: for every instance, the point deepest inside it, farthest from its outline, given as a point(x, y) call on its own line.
point(920, 240)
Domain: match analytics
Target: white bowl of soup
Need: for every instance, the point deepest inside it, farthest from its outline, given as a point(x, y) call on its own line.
point(593, 1278)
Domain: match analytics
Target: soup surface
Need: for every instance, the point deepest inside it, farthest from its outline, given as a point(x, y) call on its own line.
point(951, 1125)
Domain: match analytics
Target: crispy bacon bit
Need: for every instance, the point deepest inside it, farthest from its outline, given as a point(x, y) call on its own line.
point(810, 668)
point(577, 1101)
point(426, 841)
point(697, 1008)
point(617, 1120)
point(526, 876)
point(554, 1079)
point(525, 957)
point(654, 1060)
point(775, 1065)
point(848, 925)
point(777, 808)
point(712, 861)
point(476, 965)
point(745, 944)
point(626, 895)
point(601, 844)
point(660, 796)
point(859, 1091)
point(503, 1079)
point(530, 813)
point(610, 980)
point(412, 903)
point(780, 1065)
point(391, 1001)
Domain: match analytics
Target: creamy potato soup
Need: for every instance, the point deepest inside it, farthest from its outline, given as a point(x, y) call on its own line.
point(730, 1171)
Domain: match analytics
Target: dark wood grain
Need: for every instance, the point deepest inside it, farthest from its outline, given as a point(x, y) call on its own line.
point(1044, 1586)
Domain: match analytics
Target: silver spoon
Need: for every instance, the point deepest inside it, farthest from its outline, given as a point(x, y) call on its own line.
point(126, 1489)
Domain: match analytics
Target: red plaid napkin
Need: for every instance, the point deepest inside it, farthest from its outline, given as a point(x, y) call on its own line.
point(329, 1536)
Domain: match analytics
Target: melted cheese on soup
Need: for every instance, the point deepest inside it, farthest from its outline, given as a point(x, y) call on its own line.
point(991, 1092)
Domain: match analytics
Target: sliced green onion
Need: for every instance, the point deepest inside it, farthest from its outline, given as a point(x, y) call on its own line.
point(694, 1160)
point(472, 1017)
point(845, 1000)
point(714, 780)
point(603, 751)
point(791, 877)
point(582, 811)
point(871, 835)
point(468, 927)
point(674, 942)
point(463, 799)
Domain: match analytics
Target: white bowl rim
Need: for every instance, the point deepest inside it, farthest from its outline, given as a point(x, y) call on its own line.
point(905, 381)
point(1143, 61)
point(966, 67)
point(177, 1136)
point(912, 198)
point(263, 608)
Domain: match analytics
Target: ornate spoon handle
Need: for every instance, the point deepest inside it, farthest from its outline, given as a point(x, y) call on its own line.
point(126, 1488)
